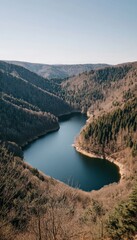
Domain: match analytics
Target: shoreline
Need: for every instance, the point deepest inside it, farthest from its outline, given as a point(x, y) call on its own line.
point(120, 166)
point(31, 140)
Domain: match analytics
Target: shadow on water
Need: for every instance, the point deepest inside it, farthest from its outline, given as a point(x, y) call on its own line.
point(69, 116)
point(37, 139)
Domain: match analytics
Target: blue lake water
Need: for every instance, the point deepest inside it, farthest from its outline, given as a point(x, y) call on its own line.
point(54, 155)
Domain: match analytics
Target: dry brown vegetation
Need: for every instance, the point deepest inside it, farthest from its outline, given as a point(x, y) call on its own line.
point(103, 90)
point(37, 207)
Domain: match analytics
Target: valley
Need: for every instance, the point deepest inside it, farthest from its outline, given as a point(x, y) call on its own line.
point(39, 205)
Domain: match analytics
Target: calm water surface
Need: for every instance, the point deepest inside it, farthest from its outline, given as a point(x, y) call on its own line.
point(54, 155)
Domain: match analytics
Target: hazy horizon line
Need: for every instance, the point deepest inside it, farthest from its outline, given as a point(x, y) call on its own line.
point(58, 64)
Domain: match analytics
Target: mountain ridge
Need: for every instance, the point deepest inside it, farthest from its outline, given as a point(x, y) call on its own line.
point(62, 71)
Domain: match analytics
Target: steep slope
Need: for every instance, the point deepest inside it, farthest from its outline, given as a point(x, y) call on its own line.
point(102, 89)
point(26, 105)
point(23, 84)
point(34, 205)
point(20, 125)
point(112, 132)
point(58, 71)
point(122, 222)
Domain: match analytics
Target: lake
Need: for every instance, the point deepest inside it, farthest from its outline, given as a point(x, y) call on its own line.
point(54, 155)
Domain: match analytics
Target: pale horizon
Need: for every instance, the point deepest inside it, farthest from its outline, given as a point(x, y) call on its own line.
point(42, 63)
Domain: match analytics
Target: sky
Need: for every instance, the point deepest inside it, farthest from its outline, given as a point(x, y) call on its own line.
point(68, 31)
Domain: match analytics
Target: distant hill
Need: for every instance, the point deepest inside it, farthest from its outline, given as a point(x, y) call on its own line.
point(58, 71)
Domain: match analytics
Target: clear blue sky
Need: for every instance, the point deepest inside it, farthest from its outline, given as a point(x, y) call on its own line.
point(68, 31)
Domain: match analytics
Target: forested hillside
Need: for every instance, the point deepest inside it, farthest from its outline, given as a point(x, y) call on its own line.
point(20, 125)
point(122, 222)
point(27, 86)
point(96, 89)
point(113, 135)
point(27, 107)
point(113, 131)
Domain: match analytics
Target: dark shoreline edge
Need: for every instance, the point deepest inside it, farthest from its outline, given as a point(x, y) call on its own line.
point(63, 117)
